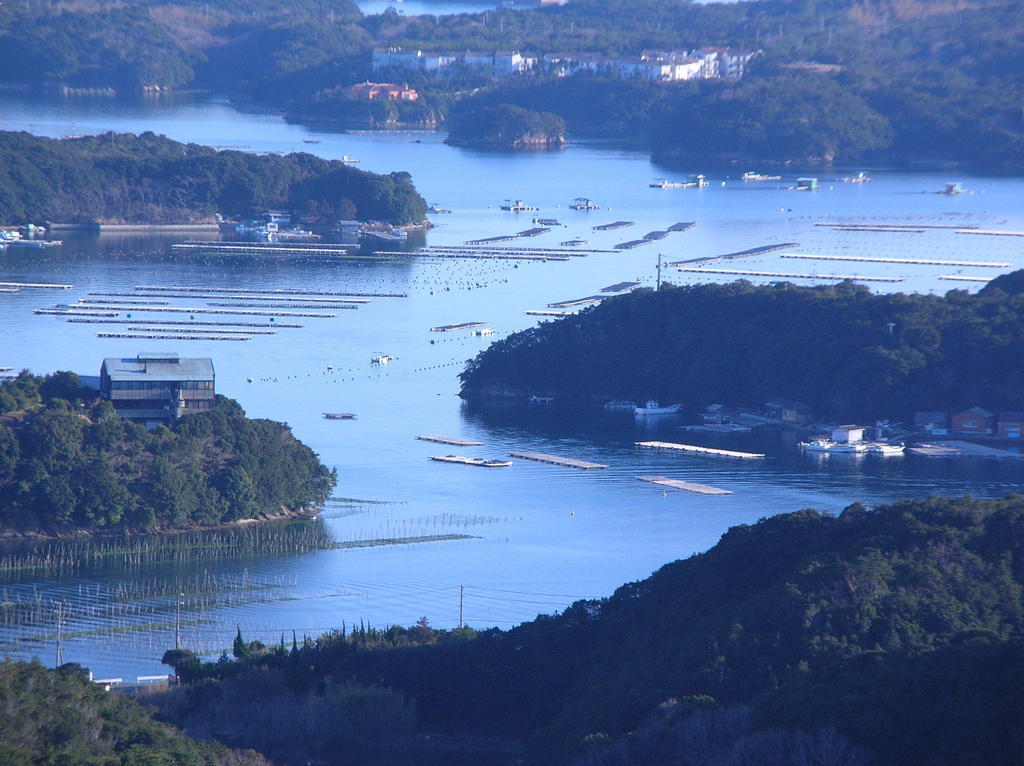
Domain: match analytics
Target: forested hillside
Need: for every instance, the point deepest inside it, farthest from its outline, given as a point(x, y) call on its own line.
point(61, 718)
point(118, 178)
point(879, 637)
point(911, 80)
point(68, 462)
point(741, 345)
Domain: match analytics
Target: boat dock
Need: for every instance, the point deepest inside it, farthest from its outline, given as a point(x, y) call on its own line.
point(790, 275)
point(613, 225)
point(259, 248)
point(449, 440)
point(457, 327)
point(991, 232)
point(550, 313)
point(694, 449)
point(568, 462)
point(915, 261)
point(763, 250)
point(268, 291)
point(688, 486)
point(619, 287)
point(35, 286)
point(577, 302)
point(477, 461)
point(682, 226)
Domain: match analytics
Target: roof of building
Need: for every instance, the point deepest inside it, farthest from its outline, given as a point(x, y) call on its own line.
point(848, 428)
point(158, 366)
point(930, 417)
point(979, 411)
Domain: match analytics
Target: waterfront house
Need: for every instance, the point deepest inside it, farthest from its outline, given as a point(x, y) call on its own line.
point(976, 420)
point(157, 388)
point(932, 422)
point(788, 410)
point(1010, 425)
point(848, 434)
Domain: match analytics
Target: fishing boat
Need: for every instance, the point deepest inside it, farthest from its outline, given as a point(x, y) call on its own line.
point(653, 408)
point(817, 445)
point(661, 183)
point(860, 178)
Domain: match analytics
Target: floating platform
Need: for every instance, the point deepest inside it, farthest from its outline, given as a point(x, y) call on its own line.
point(619, 287)
point(956, 278)
point(133, 302)
point(790, 275)
point(185, 322)
point(532, 250)
point(449, 440)
point(763, 250)
point(199, 310)
point(913, 261)
point(277, 299)
point(201, 330)
point(10, 290)
point(268, 291)
point(35, 286)
point(66, 312)
point(682, 226)
point(633, 243)
point(696, 450)
point(901, 225)
point(886, 229)
point(252, 305)
point(339, 416)
point(970, 449)
point(933, 451)
point(258, 248)
point(477, 461)
point(613, 225)
point(577, 302)
point(688, 486)
point(550, 313)
point(656, 235)
point(568, 462)
point(435, 254)
point(457, 327)
point(169, 336)
point(535, 232)
point(991, 232)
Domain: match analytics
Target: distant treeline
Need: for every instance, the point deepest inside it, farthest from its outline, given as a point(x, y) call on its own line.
point(119, 178)
point(506, 126)
point(68, 462)
point(911, 80)
point(877, 637)
point(846, 352)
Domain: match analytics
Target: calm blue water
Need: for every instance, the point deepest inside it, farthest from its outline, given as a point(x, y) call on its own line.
point(545, 535)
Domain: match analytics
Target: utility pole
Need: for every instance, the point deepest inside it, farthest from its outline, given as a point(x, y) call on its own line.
point(60, 634)
point(462, 599)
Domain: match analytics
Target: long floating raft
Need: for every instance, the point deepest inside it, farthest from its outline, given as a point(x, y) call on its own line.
point(550, 313)
point(432, 254)
point(69, 313)
point(763, 250)
point(694, 449)
point(203, 310)
point(899, 225)
point(224, 296)
point(633, 243)
point(169, 336)
point(35, 285)
point(268, 291)
point(957, 278)
point(682, 226)
point(918, 261)
point(577, 302)
point(886, 229)
point(790, 275)
point(201, 330)
point(991, 232)
point(457, 327)
point(688, 486)
point(253, 305)
point(613, 225)
point(568, 462)
point(477, 461)
point(184, 322)
point(449, 440)
point(255, 248)
point(619, 287)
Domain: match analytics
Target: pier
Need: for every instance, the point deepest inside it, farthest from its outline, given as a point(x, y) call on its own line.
point(449, 440)
point(688, 486)
point(457, 327)
point(914, 261)
point(763, 250)
point(567, 462)
point(477, 461)
point(577, 302)
point(35, 286)
point(695, 450)
point(613, 225)
point(790, 275)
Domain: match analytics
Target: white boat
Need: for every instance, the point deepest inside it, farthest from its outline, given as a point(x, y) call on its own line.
point(848, 448)
point(816, 445)
point(382, 359)
point(885, 450)
point(752, 176)
point(661, 183)
point(652, 408)
point(860, 178)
